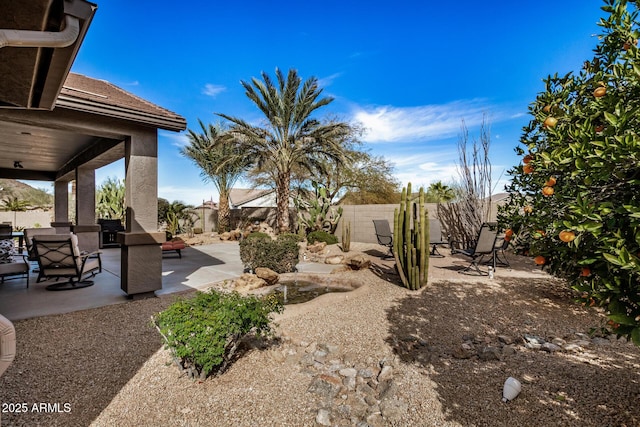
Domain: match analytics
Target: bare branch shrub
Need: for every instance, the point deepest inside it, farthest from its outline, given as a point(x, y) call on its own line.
point(463, 217)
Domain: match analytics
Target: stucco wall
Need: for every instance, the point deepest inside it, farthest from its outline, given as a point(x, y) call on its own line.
point(27, 219)
point(361, 218)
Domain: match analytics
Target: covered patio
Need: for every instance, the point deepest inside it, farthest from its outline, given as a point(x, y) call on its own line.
point(199, 267)
point(60, 127)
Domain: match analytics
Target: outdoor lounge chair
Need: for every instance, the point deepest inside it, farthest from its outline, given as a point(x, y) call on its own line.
point(59, 257)
point(435, 237)
point(485, 244)
point(384, 235)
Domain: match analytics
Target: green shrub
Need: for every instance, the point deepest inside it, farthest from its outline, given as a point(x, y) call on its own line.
point(280, 255)
point(321, 236)
point(204, 332)
point(258, 235)
point(290, 236)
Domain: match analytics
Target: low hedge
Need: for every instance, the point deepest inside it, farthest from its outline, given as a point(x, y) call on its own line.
point(204, 332)
point(280, 255)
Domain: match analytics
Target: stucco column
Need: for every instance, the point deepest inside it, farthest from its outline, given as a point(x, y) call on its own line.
point(61, 207)
point(141, 259)
point(86, 228)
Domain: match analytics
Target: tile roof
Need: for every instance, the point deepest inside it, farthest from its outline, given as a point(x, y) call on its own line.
point(84, 93)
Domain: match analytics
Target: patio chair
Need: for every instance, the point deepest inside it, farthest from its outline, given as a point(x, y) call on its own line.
point(59, 257)
point(5, 231)
point(384, 235)
point(499, 255)
point(485, 244)
point(435, 237)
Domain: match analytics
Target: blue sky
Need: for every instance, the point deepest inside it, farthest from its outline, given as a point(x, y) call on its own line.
point(409, 71)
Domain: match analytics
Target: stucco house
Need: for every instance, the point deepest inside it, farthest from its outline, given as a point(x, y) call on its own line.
point(59, 126)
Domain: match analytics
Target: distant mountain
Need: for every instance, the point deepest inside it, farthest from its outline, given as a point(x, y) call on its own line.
point(34, 197)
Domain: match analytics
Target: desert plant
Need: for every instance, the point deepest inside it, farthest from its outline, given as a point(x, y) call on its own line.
point(346, 236)
point(204, 332)
point(321, 236)
point(280, 255)
point(469, 203)
point(317, 213)
point(110, 201)
point(411, 240)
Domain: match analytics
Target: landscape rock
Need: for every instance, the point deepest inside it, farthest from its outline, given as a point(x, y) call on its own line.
point(268, 275)
point(358, 262)
point(334, 259)
point(249, 282)
point(317, 247)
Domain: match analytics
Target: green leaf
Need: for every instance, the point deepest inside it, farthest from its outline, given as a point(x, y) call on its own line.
point(613, 120)
point(621, 318)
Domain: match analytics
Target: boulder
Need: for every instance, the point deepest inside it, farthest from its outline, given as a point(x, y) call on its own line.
point(334, 259)
point(358, 262)
point(317, 247)
point(249, 282)
point(268, 275)
point(225, 236)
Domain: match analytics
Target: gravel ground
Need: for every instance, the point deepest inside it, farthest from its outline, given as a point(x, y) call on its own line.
point(109, 366)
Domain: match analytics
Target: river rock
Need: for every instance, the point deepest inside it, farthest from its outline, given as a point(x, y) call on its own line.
point(334, 259)
point(317, 247)
point(249, 282)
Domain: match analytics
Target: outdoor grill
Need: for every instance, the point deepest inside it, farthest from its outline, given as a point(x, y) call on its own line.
point(109, 229)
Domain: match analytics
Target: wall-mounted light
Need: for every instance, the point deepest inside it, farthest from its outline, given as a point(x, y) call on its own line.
point(17, 164)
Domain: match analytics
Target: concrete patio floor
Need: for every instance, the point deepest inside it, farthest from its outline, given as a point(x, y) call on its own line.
point(199, 267)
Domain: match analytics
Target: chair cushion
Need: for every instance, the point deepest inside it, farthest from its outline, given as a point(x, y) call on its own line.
point(7, 251)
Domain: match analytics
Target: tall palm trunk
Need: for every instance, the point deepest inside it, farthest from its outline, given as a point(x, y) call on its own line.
point(282, 195)
point(224, 214)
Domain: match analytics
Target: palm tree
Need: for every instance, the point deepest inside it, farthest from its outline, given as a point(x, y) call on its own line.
point(14, 204)
point(440, 192)
point(219, 157)
point(290, 137)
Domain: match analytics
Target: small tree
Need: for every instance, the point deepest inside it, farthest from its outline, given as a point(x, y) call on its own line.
point(575, 200)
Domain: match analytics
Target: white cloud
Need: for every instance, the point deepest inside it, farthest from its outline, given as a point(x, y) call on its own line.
point(328, 81)
point(213, 90)
point(427, 122)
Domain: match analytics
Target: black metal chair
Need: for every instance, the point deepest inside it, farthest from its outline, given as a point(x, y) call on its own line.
point(384, 235)
point(59, 257)
point(435, 237)
point(485, 244)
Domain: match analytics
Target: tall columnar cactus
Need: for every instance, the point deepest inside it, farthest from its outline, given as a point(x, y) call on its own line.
point(346, 236)
point(411, 240)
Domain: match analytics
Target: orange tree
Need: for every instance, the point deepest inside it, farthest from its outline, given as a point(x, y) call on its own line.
point(575, 199)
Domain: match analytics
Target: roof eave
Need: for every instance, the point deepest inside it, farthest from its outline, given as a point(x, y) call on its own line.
point(172, 123)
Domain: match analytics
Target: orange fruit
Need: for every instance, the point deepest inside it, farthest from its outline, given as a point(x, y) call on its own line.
point(528, 209)
point(527, 168)
point(551, 181)
point(547, 191)
point(547, 109)
point(550, 122)
point(527, 159)
point(540, 260)
point(600, 92)
point(586, 271)
point(599, 128)
point(508, 232)
point(567, 236)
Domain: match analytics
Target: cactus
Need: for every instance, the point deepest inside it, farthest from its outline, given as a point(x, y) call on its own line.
point(411, 240)
point(318, 213)
point(346, 236)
